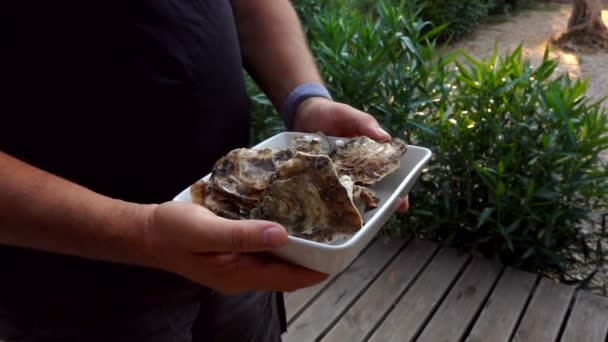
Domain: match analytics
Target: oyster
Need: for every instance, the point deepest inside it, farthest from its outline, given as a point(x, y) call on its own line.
point(364, 198)
point(348, 184)
point(306, 196)
point(317, 143)
point(244, 173)
point(316, 188)
point(220, 202)
point(367, 161)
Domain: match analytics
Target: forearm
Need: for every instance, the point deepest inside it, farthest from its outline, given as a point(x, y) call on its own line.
point(41, 211)
point(274, 47)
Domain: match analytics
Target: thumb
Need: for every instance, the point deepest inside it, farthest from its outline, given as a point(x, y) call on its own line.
point(368, 126)
point(224, 235)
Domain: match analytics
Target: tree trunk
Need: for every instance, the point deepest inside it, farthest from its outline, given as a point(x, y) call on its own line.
point(586, 28)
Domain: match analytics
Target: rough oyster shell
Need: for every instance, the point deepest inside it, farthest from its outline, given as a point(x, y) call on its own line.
point(220, 202)
point(348, 184)
point(315, 188)
point(244, 173)
point(367, 161)
point(317, 143)
point(364, 198)
point(307, 198)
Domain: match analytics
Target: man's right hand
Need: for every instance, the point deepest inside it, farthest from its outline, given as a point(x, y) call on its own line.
point(222, 254)
point(39, 210)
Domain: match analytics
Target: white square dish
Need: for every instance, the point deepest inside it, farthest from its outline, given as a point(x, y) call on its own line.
point(334, 258)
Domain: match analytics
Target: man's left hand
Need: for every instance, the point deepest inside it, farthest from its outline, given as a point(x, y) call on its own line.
point(337, 119)
point(318, 114)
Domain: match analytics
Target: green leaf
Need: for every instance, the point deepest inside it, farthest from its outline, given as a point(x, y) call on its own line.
point(528, 253)
point(546, 193)
point(484, 216)
point(420, 212)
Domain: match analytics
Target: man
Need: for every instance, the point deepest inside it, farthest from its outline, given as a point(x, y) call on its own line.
point(111, 108)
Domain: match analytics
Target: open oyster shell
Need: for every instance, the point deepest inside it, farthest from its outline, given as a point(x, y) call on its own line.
point(367, 161)
point(364, 198)
point(306, 196)
point(220, 202)
point(244, 173)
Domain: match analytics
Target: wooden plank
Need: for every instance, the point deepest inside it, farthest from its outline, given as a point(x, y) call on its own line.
point(462, 304)
point(411, 312)
point(330, 305)
point(545, 314)
point(588, 320)
point(360, 319)
point(296, 301)
point(504, 307)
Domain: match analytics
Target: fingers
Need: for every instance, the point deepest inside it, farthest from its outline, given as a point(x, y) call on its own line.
point(247, 272)
point(195, 228)
point(285, 277)
point(404, 204)
point(368, 126)
point(335, 118)
point(190, 240)
point(358, 122)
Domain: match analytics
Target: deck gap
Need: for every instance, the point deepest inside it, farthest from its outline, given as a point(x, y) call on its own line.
point(312, 300)
point(443, 296)
point(562, 326)
point(471, 324)
point(400, 296)
point(363, 290)
point(525, 308)
point(329, 283)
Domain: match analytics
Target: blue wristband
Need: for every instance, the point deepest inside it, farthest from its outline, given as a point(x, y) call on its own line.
point(300, 94)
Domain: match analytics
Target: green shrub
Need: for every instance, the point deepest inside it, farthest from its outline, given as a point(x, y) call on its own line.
point(463, 16)
point(265, 122)
point(515, 170)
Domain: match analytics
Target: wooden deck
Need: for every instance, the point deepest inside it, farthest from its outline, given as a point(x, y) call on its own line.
point(413, 290)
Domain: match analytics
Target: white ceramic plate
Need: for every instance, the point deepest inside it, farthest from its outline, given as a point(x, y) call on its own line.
point(336, 257)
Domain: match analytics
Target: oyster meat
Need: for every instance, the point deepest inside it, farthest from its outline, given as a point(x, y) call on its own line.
point(306, 196)
point(367, 161)
point(244, 173)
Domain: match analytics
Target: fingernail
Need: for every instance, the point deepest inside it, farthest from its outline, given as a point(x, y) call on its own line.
point(273, 237)
point(383, 132)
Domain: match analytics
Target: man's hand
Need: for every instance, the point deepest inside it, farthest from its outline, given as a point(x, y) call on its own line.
point(337, 119)
point(341, 120)
point(222, 254)
point(42, 211)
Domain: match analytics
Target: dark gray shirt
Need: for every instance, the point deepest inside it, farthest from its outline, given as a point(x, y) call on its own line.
point(133, 99)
